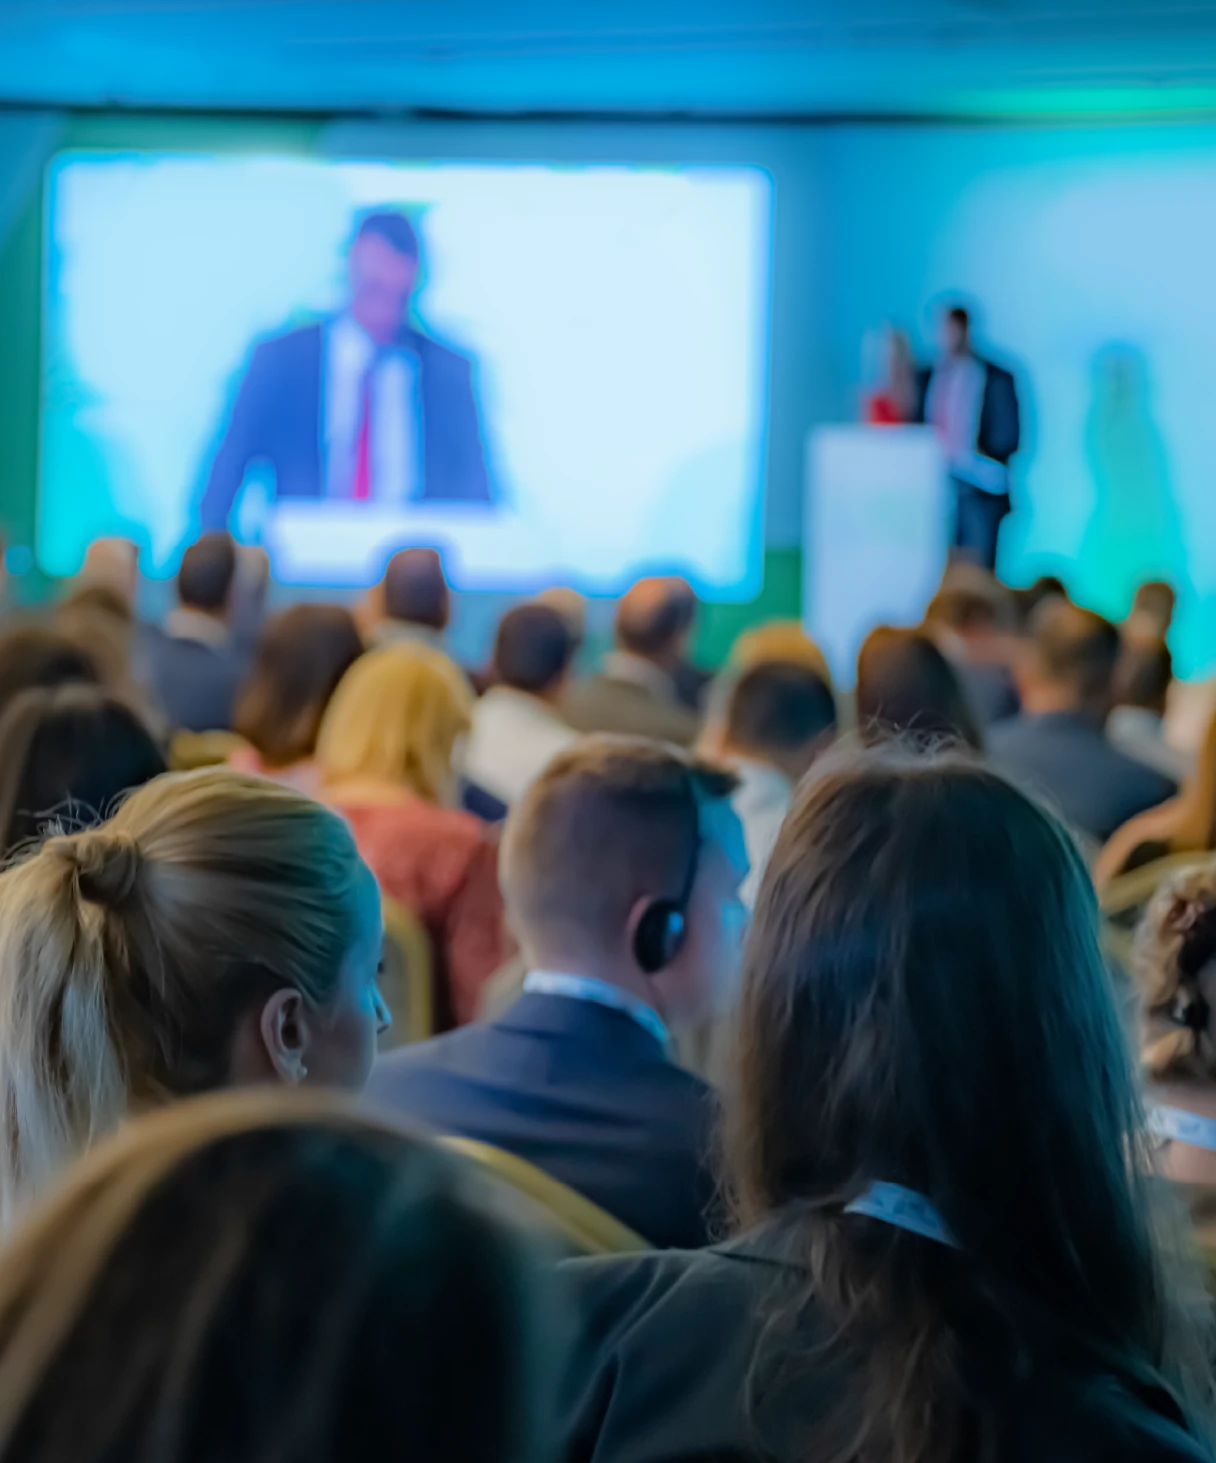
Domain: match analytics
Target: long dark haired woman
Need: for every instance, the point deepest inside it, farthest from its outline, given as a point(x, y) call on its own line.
point(952, 1244)
point(906, 685)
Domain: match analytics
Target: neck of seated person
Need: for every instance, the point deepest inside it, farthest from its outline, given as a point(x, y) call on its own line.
point(1184, 1163)
point(1041, 697)
point(793, 763)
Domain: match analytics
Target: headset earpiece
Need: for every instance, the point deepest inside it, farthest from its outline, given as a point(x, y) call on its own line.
point(659, 935)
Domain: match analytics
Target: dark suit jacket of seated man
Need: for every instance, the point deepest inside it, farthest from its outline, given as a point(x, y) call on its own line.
point(584, 1093)
point(280, 416)
point(576, 1076)
point(1057, 746)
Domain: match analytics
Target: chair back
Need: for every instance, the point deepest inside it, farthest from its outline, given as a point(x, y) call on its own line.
point(406, 977)
point(584, 1227)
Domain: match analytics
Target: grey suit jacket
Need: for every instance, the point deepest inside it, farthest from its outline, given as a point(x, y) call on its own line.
point(605, 703)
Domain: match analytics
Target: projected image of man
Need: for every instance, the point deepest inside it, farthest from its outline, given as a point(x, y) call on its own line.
point(361, 407)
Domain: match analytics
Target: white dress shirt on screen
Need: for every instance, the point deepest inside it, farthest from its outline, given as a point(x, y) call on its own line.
point(396, 414)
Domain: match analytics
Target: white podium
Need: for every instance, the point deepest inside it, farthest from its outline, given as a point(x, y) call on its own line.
point(876, 524)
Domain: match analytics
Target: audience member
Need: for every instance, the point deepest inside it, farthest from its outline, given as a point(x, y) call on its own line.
point(301, 656)
point(111, 564)
point(385, 756)
point(194, 666)
point(1144, 673)
point(777, 717)
point(37, 655)
point(951, 1244)
point(635, 692)
point(415, 601)
point(517, 724)
point(1058, 745)
point(1029, 598)
point(905, 685)
point(1152, 611)
point(67, 754)
point(571, 606)
point(690, 680)
point(973, 620)
point(218, 930)
point(258, 1281)
point(102, 623)
point(621, 868)
point(1175, 967)
point(780, 640)
point(1182, 824)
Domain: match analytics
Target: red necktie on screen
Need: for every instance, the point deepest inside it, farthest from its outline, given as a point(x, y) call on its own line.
point(361, 485)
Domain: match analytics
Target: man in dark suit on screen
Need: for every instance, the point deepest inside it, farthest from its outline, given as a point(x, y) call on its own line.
point(974, 406)
point(360, 407)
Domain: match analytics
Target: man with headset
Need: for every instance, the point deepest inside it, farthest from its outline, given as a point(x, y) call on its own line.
point(620, 868)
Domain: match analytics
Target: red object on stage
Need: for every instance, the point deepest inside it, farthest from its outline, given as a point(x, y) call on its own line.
point(361, 486)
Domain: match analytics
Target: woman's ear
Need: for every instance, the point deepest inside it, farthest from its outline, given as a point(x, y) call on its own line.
point(284, 1028)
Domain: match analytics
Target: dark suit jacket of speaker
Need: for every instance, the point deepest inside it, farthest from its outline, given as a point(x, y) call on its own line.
point(668, 1366)
point(278, 412)
point(1000, 426)
point(581, 1091)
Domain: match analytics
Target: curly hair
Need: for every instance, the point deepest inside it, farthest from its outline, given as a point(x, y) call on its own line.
point(1175, 966)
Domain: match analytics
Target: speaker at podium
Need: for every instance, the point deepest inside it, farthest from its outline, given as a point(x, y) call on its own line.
point(876, 533)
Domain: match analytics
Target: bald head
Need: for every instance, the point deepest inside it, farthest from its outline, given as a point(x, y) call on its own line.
point(1073, 658)
point(655, 618)
point(416, 589)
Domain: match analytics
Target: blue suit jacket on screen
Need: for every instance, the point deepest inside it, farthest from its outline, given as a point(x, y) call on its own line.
point(276, 419)
point(581, 1091)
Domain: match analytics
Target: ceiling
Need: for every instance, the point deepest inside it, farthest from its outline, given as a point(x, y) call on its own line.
point(889, 57)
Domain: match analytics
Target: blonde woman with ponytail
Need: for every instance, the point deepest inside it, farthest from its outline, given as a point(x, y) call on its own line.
point(218, 930)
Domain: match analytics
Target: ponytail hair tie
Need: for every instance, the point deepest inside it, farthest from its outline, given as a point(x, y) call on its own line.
point(106, 865)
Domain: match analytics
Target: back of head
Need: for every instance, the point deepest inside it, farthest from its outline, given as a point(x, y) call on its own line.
point(1074, 651)
point(1153, 607)
point(655, 618)
point(208, 567)
point(1143, 673)
point(779, 712)
point(533, 649)
point(395, 717)
point(301, 656)
point(35, 655)
point(571, 606)
point(906, 685)
point(66, 756)
point(569, 895)
point(416, 589)
point(1031, 596)
point(925, 938)
point(129, 953)
point(289, 1281)
point(780, 640)
point(1175, 968)
point(971, 601)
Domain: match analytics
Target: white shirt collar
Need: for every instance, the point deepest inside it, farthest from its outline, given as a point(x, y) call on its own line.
point(588, 988)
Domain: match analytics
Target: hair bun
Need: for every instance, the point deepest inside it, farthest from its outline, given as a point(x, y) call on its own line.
point(106, 865)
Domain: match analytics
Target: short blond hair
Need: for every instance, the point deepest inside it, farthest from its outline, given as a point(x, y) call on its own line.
point(396, 715)
point(129, 952)
point(610, 821)
point(783, 640)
